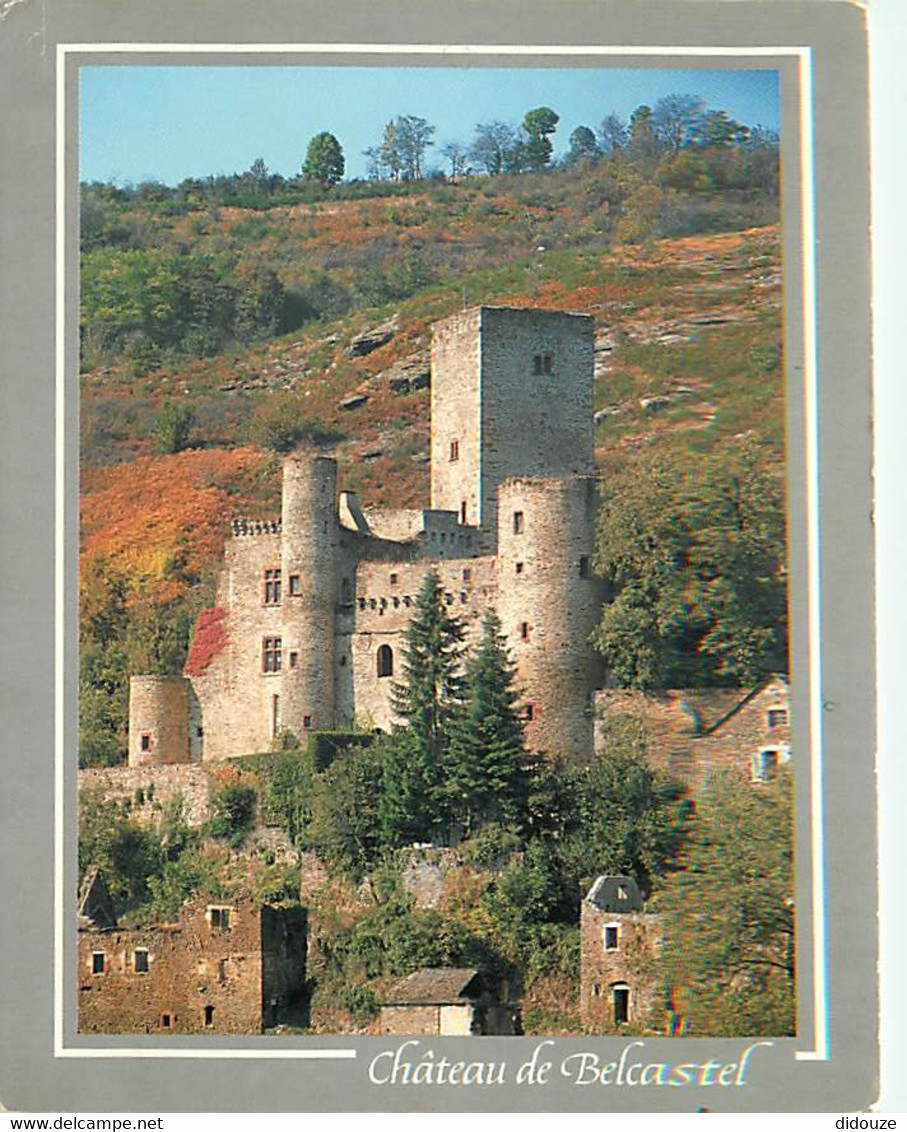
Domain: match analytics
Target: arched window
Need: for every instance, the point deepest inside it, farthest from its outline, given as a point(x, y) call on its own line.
point(385, 661)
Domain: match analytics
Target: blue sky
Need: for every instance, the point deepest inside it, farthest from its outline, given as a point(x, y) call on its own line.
point(143, 123)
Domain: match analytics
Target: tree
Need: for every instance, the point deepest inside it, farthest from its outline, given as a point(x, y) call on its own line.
point(173, 427)
point(488, 777)
point(414, 802)
point(643, 144)
point(675, 118)
point(583, 146)
point(492, 143)
point(538, 125)
point(694, 555)
point(412, 137)
point(717, 129)
point(729, 913)
point(456, 154)
point(324, 161)
point(614, 134)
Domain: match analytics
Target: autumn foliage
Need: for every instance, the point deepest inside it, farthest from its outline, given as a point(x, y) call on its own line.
point(209, 637)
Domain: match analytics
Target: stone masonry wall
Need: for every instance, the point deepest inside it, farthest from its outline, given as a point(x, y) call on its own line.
point(191, 966)
point(150, 788)
point(633, 964)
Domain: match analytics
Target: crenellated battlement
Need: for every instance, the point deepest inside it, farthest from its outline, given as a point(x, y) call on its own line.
point(243, 527)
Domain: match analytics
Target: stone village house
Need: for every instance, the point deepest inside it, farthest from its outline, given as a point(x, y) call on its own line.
point(232, 967)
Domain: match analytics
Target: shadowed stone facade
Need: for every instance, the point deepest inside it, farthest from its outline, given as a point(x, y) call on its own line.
point(695, 734)
point(223, 968)
point(312, 610)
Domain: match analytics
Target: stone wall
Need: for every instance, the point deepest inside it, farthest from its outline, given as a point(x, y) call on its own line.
point(694, 734)
point(194, 976)
point(630, 965)
point(150, 788)
point(410, 1020)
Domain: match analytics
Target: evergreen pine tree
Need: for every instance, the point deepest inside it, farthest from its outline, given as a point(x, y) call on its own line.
point(413, 804)
point(489, 776)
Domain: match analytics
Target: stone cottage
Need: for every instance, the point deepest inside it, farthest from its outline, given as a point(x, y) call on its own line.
point(230, 967)
point(619, 946)
point(448, 1001)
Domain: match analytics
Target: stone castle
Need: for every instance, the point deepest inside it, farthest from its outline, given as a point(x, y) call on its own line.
point(312, 609)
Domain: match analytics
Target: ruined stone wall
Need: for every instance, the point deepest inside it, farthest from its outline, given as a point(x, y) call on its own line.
point(191, 966)
point(549, 604)
point(234, 693)
point(158, 720)
point(385, 596)
point(149, 789)
point(633, 963)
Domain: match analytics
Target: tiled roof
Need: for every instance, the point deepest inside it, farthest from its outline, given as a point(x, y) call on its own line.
point(436, 986)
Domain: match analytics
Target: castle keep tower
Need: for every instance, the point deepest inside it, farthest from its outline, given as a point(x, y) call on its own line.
point(158, 720)
point(511, 395)
point(549, 602)
point(307, 590)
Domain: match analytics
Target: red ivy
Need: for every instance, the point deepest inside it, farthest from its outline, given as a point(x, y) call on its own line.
point(209, 638)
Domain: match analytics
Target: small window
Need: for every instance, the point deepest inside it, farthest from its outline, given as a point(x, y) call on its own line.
point(295, 585)
point(612, 935)
point(523, 630)
point(294, 659)
point(596, 990)
point(275, 715)
point(528, 713)
point(518, 522)
point(394, 579)
point(765, 766)
point(272, 652)
point(219, 918)
point(165, 1022)
point(343, 662)
point(145, 741)
point(777, 717)
point(140, 961)
point(98, 962)
point(272, 587)
point(454, 450)
point(467, 574)
point(385, 661)
point(209, 1015)
point(463, 512)
point(584, 566)
point(307, 722)
point(543, 363)
point(518, 567)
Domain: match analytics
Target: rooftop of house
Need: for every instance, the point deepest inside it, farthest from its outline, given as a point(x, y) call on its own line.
point(437, 986)
point(615, 894)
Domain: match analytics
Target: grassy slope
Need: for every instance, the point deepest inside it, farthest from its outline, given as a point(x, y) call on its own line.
point(694, 320)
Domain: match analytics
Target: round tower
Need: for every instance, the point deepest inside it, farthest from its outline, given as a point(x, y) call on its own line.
point(309, 569)
point(158, 720)
point(549, 603)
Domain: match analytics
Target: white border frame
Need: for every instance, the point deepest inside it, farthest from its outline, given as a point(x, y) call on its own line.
point(821, 1040)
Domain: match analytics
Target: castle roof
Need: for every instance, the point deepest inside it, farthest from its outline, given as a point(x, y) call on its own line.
point(437, 986)
point(615, 894)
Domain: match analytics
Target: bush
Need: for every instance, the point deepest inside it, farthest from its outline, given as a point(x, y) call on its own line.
point(278, 425)
point(172, 427)
point(233, 813)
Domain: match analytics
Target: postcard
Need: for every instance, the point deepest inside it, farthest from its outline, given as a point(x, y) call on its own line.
point(451, 466)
